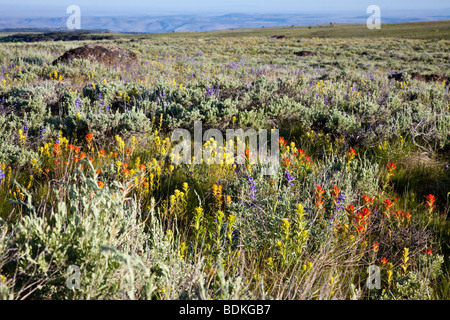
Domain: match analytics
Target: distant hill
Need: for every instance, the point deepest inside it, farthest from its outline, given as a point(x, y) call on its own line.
point(192, 22)
point(411, 30)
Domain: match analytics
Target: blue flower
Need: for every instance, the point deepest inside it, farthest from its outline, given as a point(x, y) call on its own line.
point(42, 132)
point(79, 104)
point(102, 101)
point(289, 178)
point(2, 175)
point(340, 201)
point(26, 125)
point(253, 188)
point(339, 206)
point(211, 91)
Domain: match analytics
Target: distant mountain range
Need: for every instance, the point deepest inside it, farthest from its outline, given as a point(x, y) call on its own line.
point(190, 23)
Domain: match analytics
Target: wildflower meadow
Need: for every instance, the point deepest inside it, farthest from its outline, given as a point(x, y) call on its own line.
point(95, 205)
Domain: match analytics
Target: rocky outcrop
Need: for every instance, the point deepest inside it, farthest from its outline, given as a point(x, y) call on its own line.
point(105, 53)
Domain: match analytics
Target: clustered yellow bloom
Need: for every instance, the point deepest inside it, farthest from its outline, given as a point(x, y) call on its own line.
point(405, 259)
point(217, 194)
point(120, 144)
point(22, 138)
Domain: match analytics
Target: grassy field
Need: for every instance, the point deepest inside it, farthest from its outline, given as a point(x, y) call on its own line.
point(87, 176)
point(434, 30)
point(415, 30)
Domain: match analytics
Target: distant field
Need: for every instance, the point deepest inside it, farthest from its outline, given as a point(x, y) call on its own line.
point(413, 30)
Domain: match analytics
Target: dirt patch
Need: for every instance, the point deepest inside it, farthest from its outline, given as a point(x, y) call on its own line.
point(399, 76)
point(428, 77)
point(105, 53)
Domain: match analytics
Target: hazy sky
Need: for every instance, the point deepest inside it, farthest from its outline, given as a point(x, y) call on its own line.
point(57, 8)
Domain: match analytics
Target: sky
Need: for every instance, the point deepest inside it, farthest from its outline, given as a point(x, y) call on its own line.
point(57, 8)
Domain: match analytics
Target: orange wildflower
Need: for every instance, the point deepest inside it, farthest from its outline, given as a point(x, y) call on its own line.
point(367, 200)
point(319, 191)
point(89, 138)
point(430, 200)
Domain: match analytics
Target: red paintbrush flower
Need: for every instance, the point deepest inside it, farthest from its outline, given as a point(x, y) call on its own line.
point(430, 200)
point(89, 138)
point(319, 191)
point(367, 200)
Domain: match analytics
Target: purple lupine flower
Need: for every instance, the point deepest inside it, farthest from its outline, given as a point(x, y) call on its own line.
point(211, 91)
point(340, 201)
point(339, 206)
point(102, 101)
point(79, 104)
point(42, 132)
point(2, 175)
point(253, 188)
point(289, 178)
point(235, 234)
point(26, 125)
point(232, 65)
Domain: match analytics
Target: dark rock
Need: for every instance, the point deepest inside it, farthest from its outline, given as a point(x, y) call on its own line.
point(105, 53)
point(305, 53)
point(398, 76)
